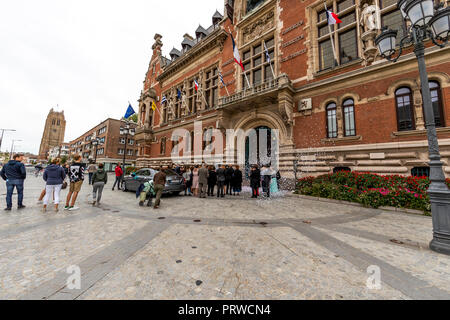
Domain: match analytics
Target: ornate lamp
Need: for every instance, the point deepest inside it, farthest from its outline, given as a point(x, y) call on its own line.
point(419, 12)
point(440, 24)
point(401, 5)
point(386, 42)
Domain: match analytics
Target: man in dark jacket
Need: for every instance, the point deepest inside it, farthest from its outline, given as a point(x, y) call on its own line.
point(212, 180)
point(14, 174)
point(220, 180)
point(228, 179)
point(159, 181)
point(99, 179)
point(255, 181)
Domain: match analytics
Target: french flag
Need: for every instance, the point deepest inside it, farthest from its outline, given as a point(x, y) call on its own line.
point(237, 57)
point(332, 18)
point(196, 85)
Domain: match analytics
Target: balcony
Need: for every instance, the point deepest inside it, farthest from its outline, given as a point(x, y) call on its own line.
point(144, 133)
point(266, 92)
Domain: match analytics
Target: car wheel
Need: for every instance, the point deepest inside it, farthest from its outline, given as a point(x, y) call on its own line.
point(177, 193)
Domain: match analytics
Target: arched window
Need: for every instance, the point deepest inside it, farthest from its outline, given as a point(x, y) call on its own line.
point(436, 99)
point(143, 113)
point(349, 118)
point(405, 114)
point(331, 120)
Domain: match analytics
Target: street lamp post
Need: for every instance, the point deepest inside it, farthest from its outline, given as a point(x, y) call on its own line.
point(426, 22)
point(126, 130)
point(95, 142)
point(12, 148)
point(1, 138)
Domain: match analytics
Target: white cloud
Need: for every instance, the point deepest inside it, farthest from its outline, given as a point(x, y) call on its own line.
point(88, 57)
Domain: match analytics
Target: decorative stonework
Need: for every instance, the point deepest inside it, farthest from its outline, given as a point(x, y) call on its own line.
point(259, 27)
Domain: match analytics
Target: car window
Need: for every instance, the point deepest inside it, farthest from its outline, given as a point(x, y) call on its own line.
point(143, 173)
point(170, 172)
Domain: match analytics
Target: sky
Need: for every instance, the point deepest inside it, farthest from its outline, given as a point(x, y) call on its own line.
point(88, 58)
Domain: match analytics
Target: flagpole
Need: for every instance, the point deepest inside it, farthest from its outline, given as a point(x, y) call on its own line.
point(270, 62)
point(245, 74)
point(223, 82)
point(201, 91)
point(331, 35)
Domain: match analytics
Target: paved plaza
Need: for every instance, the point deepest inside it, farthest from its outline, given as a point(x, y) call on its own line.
point(233, 248)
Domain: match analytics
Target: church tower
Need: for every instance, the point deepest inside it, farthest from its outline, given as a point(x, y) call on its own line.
point(53, 136)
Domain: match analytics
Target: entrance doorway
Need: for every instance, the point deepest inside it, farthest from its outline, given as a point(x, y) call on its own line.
point(258, 148)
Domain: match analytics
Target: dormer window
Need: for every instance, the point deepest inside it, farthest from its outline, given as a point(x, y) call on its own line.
point(252, 4)
point(200, 33)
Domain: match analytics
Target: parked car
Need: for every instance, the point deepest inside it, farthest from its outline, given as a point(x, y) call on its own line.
point(174, 182)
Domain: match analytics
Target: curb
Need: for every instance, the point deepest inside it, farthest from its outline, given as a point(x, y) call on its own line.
point(393, 209)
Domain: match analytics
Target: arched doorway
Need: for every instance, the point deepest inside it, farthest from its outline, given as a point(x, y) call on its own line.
point(259, 146)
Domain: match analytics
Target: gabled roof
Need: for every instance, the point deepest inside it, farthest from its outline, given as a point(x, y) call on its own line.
point(188, 42)
point(217, 17)
point(175, 52)
point(200, 30)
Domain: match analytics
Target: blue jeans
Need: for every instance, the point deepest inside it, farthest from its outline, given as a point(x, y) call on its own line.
point(10, 184)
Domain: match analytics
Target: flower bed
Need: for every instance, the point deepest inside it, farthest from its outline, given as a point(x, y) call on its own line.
point(369, 189)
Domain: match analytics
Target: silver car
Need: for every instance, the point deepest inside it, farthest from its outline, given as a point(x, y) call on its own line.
point(174, 182)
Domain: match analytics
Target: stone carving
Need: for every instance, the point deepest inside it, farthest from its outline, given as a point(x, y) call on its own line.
point(370, 19)
point(256, 29)
point(370, 22)
point(158, 43)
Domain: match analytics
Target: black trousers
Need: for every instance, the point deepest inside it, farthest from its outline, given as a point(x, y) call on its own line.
point(228, 184)
point(220, 186)
point(210, 189)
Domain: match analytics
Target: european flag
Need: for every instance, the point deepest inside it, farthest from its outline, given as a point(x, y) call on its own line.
point(179, 94)
point(130, 112)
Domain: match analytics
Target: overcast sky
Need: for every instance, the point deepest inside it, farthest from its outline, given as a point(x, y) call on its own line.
point(88, 57)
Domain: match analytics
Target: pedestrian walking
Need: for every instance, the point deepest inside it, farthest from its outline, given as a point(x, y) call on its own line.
point(236, 181)
point(54, 176)
point(92, 168)
point(14, 174)
point(220, 181)
point(160, 181)
point(255, 180)
point(119, 175)
point(228, 179)
point(202, 180)
point(99, 180)
point(212, 180)
point(76, 177)
point(195, 181)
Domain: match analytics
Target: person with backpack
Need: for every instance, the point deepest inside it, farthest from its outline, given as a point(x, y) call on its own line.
point(92, 168)
point(99, 180)
point(147, 192)
point(76, 177)
point(54, 176)
point(14, 174)
point(119, 176)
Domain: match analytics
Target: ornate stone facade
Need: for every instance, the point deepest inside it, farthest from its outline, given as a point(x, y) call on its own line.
point(364, 131)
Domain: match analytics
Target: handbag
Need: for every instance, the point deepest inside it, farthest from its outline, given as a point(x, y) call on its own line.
point(64, 185)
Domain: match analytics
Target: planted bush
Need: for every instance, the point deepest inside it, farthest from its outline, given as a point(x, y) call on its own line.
point(369, 189)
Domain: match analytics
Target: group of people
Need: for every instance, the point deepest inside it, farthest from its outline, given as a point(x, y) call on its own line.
point(202, 180)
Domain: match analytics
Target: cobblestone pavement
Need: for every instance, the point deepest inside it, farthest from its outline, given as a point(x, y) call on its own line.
point(232, 248)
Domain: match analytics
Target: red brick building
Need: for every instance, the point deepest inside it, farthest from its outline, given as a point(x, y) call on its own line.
point(111, 148)
point(364, 114)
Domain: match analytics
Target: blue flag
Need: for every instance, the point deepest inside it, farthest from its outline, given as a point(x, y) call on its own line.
point(179, 94)
point(130, 112)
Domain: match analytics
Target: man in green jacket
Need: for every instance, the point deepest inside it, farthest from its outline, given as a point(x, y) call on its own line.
point(99, 179)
